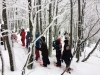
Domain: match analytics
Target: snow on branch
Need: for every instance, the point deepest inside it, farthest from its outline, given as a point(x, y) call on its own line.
point(33, 43)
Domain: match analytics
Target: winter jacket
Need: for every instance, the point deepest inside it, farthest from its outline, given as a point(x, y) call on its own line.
point(67, 55)
point(22, 34)
point(38, 41)
point(28, 35)
point(66, 43)
point(43, 48)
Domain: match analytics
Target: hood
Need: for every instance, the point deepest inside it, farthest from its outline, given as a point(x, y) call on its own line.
point(42, 38)
point(23, 29)
point(57, 42)
point(66, 41)
point(37, 35)
point(59, 39)
point(28, 33)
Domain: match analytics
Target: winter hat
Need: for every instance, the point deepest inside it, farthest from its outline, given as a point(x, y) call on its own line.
point(42, 38)
point(59, 39)
point(22, 29)
point(37, 35)
point(66, 41)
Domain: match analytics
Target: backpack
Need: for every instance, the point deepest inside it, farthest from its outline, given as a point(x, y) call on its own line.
point(54, 43)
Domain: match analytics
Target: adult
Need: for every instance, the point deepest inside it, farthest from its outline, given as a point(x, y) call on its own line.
point(27, 39)
point(58, 47)
point(22, 34)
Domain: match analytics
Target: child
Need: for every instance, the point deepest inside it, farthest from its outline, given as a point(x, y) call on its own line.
point(27, 39)
point(67, 56)
point(44, 52)
point(58, 47)
point(37, 54)
point(22, 34)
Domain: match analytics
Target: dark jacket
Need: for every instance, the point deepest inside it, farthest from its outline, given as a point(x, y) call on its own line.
point(43, 48)
point(57, 45)
point(38, 41)
point(28, 35)
point(67, 55)
point(66, 43)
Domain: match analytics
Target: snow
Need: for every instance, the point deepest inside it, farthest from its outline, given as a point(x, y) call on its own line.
point(90, 67)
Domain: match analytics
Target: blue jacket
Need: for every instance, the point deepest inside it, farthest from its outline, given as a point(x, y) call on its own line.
point(28, 35)
point(38, 41)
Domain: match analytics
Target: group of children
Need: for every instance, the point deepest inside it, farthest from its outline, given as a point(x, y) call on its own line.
point(41, 45)
point(25, 36)
point(65, 56)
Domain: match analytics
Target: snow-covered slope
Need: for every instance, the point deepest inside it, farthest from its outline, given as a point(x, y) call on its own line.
point(90, 67)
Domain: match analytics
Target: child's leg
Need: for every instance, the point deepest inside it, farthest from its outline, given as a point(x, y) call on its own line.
point(44, 61)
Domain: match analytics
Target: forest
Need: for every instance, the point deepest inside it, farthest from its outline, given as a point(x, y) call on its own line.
point(49, 37)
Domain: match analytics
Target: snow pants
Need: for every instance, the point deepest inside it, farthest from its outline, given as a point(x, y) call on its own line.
point(23, 41)
point(58, 56)
point(37, 54)
point(67, 62)
point(45, 61)
point(27, 43)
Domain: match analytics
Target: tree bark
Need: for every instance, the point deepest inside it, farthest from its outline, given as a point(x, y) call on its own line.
point(2, 73)
point(79, 30)
point(50, 29)
point(55, 27)
point(40, 15)
point(71, 23)
point(11, 58)
point(31, 38)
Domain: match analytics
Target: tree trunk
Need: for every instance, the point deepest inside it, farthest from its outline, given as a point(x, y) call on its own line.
point(7, 38)
point(55, 27)
point(71, 23)
point(79, 30)
point(91, 51)
point(40, 17)
point(2, 73)
point(31, 38)
point(50, 29)
point(37, 21)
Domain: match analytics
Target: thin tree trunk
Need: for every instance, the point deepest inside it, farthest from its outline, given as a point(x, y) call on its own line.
point(55, 27)
point(79, 30)
point(11, 58)
point(91, 51)
point(31, 38)
point(40, 15)
point(2, 73)
point(71, 23)
point(50, 29)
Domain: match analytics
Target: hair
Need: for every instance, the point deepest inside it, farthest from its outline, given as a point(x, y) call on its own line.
point(42, 39)
point(67, 45)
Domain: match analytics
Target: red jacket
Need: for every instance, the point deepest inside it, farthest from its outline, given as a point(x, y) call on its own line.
point(22, 34)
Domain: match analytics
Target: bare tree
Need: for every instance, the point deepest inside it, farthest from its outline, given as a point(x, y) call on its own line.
point(2, 63)
point(79, 30)
point(85, 59)
point(71, 22)
point(7, 38)
point(31, 37)
point(50, 29)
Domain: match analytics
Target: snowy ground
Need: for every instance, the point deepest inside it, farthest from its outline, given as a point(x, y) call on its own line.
point(90, 67)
